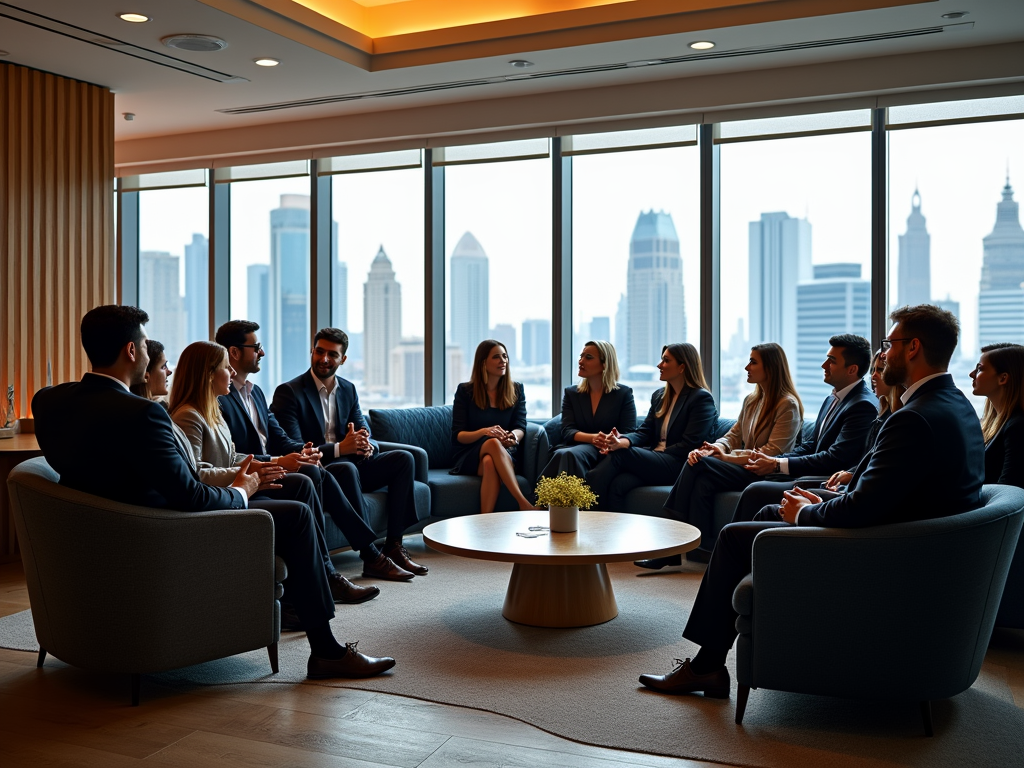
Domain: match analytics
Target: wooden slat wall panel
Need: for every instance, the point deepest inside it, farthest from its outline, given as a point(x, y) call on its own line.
point(57, 236)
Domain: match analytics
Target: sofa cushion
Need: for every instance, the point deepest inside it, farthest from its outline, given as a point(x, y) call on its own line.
point(430, 428)
point(457, 495)
point(553, 429)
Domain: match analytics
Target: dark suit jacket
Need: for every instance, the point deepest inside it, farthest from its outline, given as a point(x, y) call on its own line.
point(691, 422)
point(243, 431)
point(130, 452)
point(841, 444)
point(615, 409)
point(905, 477)
point(297, 408)
point(1004, 456)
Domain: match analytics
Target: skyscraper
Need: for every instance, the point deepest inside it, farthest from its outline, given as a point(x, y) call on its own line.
point(258, 297)
point(780, 258)
point(470, 320)
point(622, 331)
point(197, 297)
point(506, 334)
point(407, 366)
point(159, 275)
point(1001, 300)
point(654, 283)
point(536, 342)
point(600, 329)
point(914, 284)
point(382, 321)
point(288, 318)
point(836, 301)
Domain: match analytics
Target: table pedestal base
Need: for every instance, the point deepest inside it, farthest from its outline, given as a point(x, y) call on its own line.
point(559, 595)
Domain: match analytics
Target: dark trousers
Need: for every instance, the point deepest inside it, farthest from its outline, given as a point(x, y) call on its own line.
point(621, 471)
point(333, 501)
point(693, 496)
point(712, 622)
point(394, 469)
point(576, 460)
point(764, 492)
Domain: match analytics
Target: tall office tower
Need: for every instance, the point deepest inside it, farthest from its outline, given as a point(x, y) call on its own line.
point(288, 317)
point(197, 295)
point(506, 334)
point(382, 321)
point(654, 284)
point(469, 321)
point(622, 331)
point(914, 284)
point(339, 284)
point(780, 258)
point(407, 371)
point(536, 342)
point(836, 301)
point(257, 309)
point(453, 361)
point(1001, 300)
point(600, 330)
point(159, 275)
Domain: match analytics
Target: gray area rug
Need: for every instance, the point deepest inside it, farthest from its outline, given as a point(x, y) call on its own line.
point(454, 647)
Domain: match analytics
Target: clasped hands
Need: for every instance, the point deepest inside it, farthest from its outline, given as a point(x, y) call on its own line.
point(606, 442)
point(503, 436)
point(708, 449)
point(356, 442)
point(795, 500)
point(760, 463)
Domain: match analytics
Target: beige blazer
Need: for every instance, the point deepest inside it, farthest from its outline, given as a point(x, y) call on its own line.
point(779, 436)
point(211, 446)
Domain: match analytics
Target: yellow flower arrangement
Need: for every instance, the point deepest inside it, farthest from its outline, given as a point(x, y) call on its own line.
point(564, 491)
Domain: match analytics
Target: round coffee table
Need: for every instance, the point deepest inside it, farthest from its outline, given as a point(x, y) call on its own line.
point(560, 579)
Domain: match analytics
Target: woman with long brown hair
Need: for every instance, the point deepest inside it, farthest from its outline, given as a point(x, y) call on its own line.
point(999, 377)
point(770, 421)
point(154, 387)
point(681, 417)
point(488, 423)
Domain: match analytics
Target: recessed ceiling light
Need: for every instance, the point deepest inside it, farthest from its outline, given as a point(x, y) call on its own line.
point(266, 61)
point(702, 45)
point(134, 18)
point(955, 15)
point(195, 43)
point(521, 63)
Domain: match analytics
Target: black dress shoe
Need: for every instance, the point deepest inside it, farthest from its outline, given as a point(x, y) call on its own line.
point(352, 664)
point(290, 621)
point(384, 568)
point(399, 555)
point(344, 591)
point(682, 679)
point(657, 563)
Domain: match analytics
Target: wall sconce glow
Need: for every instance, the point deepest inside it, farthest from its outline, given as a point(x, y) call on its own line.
point(266, 61)
point(134, 18)
point(702, 45)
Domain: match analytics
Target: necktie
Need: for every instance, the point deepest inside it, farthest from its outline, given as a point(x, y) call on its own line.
point(832, 408)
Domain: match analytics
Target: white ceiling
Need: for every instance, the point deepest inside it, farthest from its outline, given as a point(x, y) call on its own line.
point(166, 101)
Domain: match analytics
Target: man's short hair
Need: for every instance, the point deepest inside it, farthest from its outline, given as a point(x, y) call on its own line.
point(233, 332)
point(336, 335)
point(856, 351)
point(937, 329)
point(107, 329)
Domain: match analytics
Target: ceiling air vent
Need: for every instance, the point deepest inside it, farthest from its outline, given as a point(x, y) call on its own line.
point(196, 43)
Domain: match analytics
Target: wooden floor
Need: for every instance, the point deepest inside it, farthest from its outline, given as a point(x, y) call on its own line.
point(61, 716)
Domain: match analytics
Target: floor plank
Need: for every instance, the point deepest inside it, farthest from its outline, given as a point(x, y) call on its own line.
point(56, 754)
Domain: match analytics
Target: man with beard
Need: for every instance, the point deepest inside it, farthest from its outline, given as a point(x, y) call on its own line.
point(903, 479)
point(322, 408)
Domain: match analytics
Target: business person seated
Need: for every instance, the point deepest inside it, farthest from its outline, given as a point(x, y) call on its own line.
point(904, 479)
point(154, 384)
point(999, 377)
point(591, 410)
point(682, 417)
point(840, 431)
point(133, 458)
point(322, 408)
point(770, 421)
point(256, 430)
point(488, 423)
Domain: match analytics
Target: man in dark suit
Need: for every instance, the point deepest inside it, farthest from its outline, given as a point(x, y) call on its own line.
point(134, 458)
point(255, 430)
point(903, 479)
point(839, 436)
point(322, 408)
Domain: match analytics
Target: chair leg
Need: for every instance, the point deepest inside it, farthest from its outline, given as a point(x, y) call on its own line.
point(136, 688)
point(926, 715)
point(42, 657)
point(742, 692)
point(272, 652)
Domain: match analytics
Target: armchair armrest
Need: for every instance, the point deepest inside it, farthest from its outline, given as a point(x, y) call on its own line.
point(418, 454)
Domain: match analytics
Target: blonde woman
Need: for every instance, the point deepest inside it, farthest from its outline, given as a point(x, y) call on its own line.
point(770, 421)
point(682, 417)
point(591, 410)
point(999, 377)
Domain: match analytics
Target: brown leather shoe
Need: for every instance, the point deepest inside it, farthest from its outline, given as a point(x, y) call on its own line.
point(399, 555)
point(344, 591)
point(715, 685)
point(384, 568)
point(352, 664)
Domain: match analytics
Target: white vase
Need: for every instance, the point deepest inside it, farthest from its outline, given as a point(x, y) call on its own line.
point(563, 519)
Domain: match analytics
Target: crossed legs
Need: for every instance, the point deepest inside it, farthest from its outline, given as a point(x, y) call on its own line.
point(496, 469)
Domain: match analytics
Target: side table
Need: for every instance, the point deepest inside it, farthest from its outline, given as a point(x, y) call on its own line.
point(13, 451)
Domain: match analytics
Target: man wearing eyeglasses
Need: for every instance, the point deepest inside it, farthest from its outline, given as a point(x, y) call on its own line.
point(928, 461)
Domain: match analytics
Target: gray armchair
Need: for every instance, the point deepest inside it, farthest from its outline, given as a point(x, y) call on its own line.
point(924, 595)
point(119, 588)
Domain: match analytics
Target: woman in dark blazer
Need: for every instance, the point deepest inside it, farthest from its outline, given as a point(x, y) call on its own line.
point(999, 376)
point(591, 410)
point(681, 418)
point(488, 423)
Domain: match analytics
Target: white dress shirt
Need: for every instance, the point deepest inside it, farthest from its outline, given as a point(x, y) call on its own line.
point(905, 397)
point(838, 396)
point(330, 406)
point(662, 443)
point(245, 391)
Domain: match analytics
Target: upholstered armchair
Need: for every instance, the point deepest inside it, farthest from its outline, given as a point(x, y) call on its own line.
point(900, 612)
point(119, 588)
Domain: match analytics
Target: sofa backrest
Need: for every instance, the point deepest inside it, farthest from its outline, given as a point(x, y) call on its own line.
point(430, 428)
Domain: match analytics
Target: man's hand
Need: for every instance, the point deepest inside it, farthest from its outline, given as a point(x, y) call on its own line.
point(795, 500)
point(311, 454)
point(246, 480)
point(838, 479)
point(355, 442)
point(267, 473)
point(760, 464)
point(291, 462)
